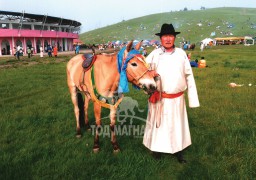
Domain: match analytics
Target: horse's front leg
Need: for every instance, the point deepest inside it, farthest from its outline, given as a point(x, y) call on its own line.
point(112, 128)
point(97, 115)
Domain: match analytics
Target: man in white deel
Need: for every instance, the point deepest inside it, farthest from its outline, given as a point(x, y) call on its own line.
point(167, 127)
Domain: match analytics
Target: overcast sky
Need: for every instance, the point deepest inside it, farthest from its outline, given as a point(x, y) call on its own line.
point(94, 14)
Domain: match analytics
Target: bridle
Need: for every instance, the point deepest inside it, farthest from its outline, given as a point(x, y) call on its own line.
point(141, 58)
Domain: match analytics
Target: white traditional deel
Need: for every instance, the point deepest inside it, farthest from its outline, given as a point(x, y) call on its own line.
point(171, 112)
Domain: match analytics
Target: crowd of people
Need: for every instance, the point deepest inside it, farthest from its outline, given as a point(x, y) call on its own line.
point(53, 51)
point(18, 51)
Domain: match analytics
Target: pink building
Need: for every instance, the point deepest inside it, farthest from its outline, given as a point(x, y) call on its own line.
point(33, 30)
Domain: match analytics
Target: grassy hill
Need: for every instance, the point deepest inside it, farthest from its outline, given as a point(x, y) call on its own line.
point(241, 19)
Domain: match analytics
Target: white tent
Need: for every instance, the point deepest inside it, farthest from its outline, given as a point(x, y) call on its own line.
point(206, 41)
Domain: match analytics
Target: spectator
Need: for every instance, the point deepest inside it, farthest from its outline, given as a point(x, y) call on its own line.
point(55, 51)
point(49, 50)
point(77, 49)
point(41, 51)
point(202, 63)
point(194, 63)
point(29, 52)
point(18, 52)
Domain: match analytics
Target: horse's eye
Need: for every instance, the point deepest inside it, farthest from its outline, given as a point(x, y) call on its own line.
point(134, 64)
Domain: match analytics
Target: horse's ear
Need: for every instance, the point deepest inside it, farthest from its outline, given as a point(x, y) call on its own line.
point(138, 45)
point(129, 46)
point(93, 51)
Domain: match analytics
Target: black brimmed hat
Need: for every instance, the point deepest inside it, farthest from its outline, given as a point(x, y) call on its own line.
point(167, 29)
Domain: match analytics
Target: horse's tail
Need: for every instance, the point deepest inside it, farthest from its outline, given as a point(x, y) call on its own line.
point(80, 102)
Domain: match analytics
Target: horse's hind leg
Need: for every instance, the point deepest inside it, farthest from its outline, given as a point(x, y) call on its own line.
point(97, 115)
point(112, 128)
point(74, 98)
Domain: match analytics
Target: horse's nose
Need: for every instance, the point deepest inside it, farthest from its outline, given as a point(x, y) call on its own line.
point(152, 87)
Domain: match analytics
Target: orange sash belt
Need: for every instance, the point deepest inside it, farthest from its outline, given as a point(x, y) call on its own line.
point(156, 96)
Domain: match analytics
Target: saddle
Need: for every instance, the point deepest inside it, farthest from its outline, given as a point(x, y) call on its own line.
point(89, 59)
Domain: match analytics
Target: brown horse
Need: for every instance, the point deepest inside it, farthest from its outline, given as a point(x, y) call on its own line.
point(100, 84)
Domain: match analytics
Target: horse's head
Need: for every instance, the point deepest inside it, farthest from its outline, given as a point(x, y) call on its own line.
point(137, 70)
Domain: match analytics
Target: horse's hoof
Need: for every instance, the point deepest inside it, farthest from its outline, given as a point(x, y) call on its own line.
point(96, 150)
point(116, 148)
point(88, 127)
point(115, 151)
point(79, 136)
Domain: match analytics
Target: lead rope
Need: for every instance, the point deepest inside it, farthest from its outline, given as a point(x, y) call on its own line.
point(159, 105)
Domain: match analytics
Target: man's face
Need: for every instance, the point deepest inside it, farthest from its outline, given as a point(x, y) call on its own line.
point(167, 41)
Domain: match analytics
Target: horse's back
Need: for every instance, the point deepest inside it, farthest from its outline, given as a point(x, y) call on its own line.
point(106, 58)
point(73, 62)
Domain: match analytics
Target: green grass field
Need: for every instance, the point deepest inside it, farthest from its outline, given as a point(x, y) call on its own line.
point(37, 125)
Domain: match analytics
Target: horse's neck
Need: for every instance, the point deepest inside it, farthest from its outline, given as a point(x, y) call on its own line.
point(106, 74)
